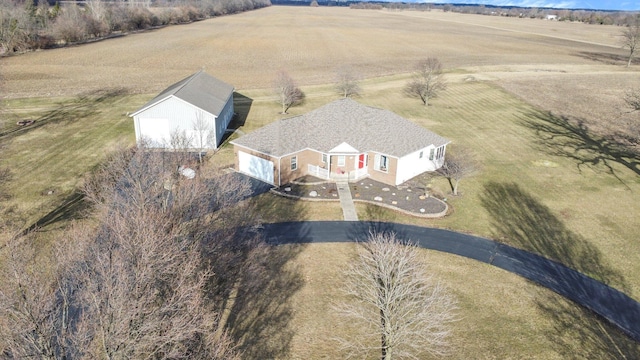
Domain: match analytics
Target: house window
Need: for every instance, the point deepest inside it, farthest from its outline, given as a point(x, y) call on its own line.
point(324, 158)
point(421, 154)
point(431, 153)
point(381, 163)
point(341, 160)
point(294, 163)
point(440, 153)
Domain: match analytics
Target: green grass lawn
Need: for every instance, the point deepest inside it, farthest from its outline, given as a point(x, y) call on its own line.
point(526, 193)
point(69, 138)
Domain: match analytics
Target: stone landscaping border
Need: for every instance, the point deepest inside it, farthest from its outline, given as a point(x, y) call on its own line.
point(391, 207)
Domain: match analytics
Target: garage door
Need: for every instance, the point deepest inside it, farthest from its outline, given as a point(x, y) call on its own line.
point(259, 168)
point(155, 132)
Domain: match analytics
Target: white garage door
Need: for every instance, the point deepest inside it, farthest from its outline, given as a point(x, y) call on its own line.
point(155, 131)
point(254, 166)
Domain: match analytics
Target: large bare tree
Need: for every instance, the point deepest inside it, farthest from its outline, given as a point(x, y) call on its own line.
point(287, 91)
point(426, 81)
point(347, 82)
point(456, 167)
point(399, 309)
point(631, 38)
point(33, 312)
point(143, 280)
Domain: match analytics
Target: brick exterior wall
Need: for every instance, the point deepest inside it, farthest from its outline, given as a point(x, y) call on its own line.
point(388, 177)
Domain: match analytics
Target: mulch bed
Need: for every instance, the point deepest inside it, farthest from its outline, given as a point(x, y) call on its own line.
point(324, 191)
point(402, 197)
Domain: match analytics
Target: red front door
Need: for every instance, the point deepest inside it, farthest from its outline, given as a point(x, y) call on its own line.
point(361, 161)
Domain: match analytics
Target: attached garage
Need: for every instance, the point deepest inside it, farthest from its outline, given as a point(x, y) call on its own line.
point(257, 167)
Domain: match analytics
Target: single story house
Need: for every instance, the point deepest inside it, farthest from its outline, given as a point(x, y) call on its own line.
point(198, 109)
point(343, 140)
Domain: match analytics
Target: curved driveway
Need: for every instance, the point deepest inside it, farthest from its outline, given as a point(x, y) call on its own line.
point(615, 306)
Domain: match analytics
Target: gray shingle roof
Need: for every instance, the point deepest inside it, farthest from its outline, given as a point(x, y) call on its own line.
point(199, 89)
point(363, 127)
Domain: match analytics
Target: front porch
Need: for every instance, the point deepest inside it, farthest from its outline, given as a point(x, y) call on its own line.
point(339, 175)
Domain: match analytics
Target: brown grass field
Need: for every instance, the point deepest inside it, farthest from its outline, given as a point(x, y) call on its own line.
point(507, 78)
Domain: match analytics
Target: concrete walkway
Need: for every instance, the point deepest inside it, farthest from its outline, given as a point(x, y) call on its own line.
point(346, 201)
point(615, 306)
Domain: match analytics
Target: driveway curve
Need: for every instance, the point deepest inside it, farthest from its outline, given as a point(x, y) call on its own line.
point(613, 305)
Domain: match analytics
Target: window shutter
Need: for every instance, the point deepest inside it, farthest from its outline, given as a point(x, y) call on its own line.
point(376, 162)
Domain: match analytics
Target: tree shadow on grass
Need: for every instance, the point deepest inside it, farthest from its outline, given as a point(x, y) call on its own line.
point(80, 107)
point(378, 213)
point(259, 288)
point(605, 58)
point(73, 207)
point(561, 136)
point(520, 219)
point(275, 208)
point(260, 318)
point(581, 334)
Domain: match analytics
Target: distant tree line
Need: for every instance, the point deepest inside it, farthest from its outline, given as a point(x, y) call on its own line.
point(31, 24)
point(621, 18)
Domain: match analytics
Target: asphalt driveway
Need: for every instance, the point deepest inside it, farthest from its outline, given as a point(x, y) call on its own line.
point(613, 305)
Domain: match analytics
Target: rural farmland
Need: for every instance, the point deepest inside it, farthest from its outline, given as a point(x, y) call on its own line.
point(535, 101)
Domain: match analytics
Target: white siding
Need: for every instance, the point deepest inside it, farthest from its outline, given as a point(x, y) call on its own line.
point(412, 165)
point(179, 115)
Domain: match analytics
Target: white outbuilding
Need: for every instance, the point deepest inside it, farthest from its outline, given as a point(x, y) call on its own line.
point(195, 111)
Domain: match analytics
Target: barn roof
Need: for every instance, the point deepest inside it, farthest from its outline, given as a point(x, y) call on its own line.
point(362, 127)
point(200, 89)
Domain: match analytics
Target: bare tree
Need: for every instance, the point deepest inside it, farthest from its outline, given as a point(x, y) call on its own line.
point(632, 133)
point(400, 310)
point(33, 306)
point(150, 254)
point(631, 38)
point(427, 80)
point(24, 304)
point(97, 9)
point(204, 134)
point(144, 280)
point(14, 28)
point(456, 167)
point(287, 91)
point(179, 140)
point(347, 82)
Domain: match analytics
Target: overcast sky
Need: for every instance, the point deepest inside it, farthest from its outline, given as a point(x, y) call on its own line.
point(572, 4)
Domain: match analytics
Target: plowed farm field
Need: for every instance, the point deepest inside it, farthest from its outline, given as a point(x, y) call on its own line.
point(533, 99)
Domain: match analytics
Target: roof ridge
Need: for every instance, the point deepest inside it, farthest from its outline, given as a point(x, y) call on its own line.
point(188, 80)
